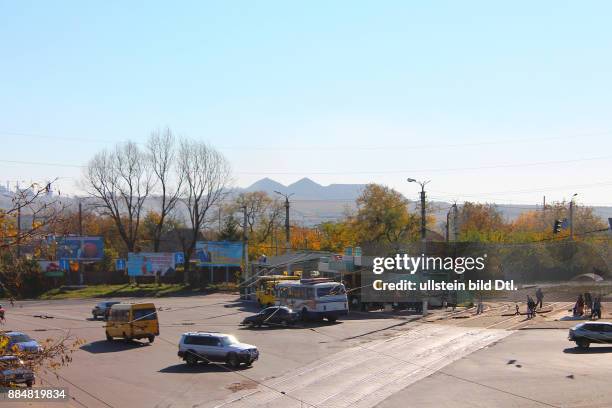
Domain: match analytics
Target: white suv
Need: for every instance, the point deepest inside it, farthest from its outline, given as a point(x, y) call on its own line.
point(215, 347)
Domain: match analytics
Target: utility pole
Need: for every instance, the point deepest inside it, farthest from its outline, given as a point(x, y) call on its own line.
point(423, 231)
point(447, 226)
point(571, 217)
point(287, 225)
point(423, 210)
point(245, 252)
point(80, 235)
point(19, 231)
point(455, 223)
point(80, 219)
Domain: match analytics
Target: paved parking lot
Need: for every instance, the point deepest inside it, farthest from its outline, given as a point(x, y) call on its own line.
point(366, 360)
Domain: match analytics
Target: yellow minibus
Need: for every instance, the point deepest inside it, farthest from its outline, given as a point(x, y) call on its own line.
point(132, 321)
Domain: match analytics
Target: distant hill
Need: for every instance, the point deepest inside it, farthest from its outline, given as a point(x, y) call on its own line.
point(305, 188)
point(313, 203)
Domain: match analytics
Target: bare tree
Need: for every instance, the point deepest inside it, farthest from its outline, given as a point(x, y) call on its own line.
point(120, 180)
point(206, 175)
point(33, 203)
point(262, 212)
point(162, 155)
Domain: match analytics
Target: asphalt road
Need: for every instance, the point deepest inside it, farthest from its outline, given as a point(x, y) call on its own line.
point(367, 360)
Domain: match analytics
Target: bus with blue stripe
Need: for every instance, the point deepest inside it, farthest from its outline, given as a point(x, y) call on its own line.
point(315, 299)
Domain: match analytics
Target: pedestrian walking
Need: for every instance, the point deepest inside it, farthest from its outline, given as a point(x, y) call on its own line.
point(539, 298)
point(480, 307)
point(596, 309)
point(579, 306)
point(588, 303)
point(530, 307)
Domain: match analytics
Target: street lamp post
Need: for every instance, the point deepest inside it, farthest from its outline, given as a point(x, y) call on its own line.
point(423, 215)
point(423, 231)
point(571, 216)
point(287, 227)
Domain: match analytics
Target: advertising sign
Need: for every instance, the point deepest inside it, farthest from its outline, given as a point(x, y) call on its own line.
point(218, 253)
point(51, 268)
point(80, 248)
point(150, 263)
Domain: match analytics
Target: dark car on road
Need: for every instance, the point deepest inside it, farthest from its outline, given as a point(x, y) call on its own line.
point(273, 316)
point(102, 309)
point(13, 371)
point(591, 332)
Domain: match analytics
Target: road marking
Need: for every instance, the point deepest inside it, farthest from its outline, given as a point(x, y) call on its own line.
point(363, 376)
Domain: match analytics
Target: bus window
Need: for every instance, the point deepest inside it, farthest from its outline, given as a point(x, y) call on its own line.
point(330, 291)
point(309, 293)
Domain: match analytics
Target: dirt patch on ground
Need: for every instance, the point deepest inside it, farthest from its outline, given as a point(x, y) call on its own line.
point(242, 385)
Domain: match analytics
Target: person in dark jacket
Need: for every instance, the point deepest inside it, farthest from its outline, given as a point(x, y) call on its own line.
point(540, 298)
point(596, 309)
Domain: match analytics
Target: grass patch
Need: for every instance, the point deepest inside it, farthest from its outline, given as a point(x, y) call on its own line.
point(223, 287)
point(127, 290)
point(108, 291)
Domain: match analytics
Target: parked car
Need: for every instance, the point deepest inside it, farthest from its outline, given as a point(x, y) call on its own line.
point(22, 342)
point(274, 315)
point(13, 371)
point(102, 309)
point(591, 332)
point(215, 347)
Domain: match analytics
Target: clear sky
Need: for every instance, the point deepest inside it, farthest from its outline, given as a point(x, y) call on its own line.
point(492, 101)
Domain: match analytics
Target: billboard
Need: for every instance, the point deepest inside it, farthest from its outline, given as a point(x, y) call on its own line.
point(80, 248)
point(51, 268)
point(218, 253)
point(150, 263)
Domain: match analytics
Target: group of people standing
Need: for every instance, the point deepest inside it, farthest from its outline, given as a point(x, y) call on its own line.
point(533, 305)
point(587, 305)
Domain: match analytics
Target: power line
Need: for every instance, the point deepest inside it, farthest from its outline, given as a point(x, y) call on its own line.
point(432, 170)
point(366, 172)
point(537, 190)
point(331, 147)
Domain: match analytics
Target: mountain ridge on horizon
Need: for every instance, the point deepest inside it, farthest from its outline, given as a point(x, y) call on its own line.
point(306, 188)
point(317, 202)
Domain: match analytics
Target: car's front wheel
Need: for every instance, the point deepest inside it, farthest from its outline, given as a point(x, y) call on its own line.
point(583, 344)
point(232, 360)
point(151, 339)
point(29, 383)
point(191, 359)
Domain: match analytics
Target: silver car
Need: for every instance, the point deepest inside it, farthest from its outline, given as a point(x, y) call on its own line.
point(215, 347)
point(591, 332)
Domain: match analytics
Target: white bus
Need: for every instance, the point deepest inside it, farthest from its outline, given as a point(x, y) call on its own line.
point(314, 298)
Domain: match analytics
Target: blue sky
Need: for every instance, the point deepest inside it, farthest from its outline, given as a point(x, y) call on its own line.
point(491, 101)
